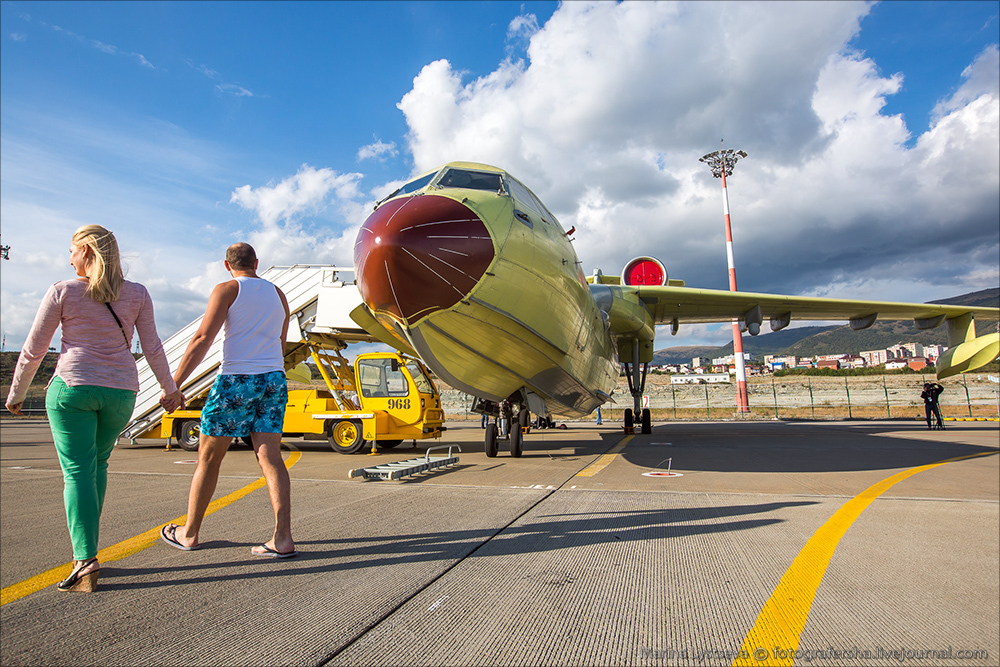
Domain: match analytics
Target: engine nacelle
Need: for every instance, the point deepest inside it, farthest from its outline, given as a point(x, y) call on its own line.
point(645, 271)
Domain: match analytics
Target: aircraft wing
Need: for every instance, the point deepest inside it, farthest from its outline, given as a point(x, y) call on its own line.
point(671, 305)
point(690, 305)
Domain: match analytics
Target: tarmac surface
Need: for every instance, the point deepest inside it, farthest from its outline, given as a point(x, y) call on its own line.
point(840, 543)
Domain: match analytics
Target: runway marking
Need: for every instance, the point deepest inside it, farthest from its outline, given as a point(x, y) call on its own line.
point(784, 615)
point(128, 547)
point(603, 462)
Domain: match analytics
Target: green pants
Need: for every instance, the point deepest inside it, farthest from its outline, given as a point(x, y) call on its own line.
point(86, 422)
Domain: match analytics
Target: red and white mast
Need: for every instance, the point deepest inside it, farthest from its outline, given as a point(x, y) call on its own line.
point(721, 163)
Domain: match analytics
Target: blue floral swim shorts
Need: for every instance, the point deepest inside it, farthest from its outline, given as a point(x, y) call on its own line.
point(239, 405)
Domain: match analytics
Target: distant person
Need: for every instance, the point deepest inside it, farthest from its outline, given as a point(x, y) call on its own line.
point(248, 396)
point(92, 392)
point(599, 422)
point(931, 406)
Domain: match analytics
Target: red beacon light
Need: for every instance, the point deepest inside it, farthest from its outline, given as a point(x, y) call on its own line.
point(644, 271)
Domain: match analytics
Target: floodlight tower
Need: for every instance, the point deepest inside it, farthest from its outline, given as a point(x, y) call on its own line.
point(721, 163)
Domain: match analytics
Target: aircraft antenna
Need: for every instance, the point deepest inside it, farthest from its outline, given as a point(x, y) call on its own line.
point(721, 162)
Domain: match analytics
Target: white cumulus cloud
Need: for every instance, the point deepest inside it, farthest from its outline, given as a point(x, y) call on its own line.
point(283, 237)
point(608, 113)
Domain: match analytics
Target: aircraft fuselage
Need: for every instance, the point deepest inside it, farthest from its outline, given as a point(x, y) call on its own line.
point(452, 269)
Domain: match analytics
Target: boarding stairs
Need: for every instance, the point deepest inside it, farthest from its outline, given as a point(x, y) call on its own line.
point(320, 300)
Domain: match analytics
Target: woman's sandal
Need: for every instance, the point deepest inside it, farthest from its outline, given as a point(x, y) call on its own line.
point(81, 583)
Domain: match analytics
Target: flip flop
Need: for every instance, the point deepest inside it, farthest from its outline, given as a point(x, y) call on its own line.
point(271, 553)
point(167, 535)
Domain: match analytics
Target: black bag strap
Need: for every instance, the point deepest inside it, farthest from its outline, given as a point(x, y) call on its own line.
point(127, 343)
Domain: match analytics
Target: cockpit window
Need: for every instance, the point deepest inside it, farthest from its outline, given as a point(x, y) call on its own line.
point(526, 197)
point(413, 186)
point(472, 180)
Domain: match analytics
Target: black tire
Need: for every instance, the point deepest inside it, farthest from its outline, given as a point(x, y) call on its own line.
point(188, 434)
point(647, 426)
point(629, 421)
point(490, 440)
point(389, 444)
point(516, 438)
point(344, 436)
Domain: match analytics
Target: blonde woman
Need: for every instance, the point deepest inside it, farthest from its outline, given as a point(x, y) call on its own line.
point(91, 395)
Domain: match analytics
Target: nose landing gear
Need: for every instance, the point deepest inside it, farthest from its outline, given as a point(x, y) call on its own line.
point(508, 420)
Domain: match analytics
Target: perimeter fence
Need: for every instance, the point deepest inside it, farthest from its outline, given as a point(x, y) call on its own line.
point(795, 397)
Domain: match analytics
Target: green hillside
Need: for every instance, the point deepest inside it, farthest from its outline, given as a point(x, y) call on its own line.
point(8, 360)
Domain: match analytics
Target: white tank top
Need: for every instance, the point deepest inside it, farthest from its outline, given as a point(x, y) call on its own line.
point(252, 343)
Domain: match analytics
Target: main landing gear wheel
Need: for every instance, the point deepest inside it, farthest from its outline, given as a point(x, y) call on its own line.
point(516, 437)
point(490, 441)
point(517, 434)
point(629, 421)
point(647, 426)
point(345, 436)
point(188, 433)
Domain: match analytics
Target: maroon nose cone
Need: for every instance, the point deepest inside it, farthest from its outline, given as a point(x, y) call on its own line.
point(417, 255)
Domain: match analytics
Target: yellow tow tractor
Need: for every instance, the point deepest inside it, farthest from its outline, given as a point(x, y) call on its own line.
point(397, 401)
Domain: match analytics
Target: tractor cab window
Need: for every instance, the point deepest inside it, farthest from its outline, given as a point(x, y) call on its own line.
point(472, 180)
point(424, 385)
point(381, 378)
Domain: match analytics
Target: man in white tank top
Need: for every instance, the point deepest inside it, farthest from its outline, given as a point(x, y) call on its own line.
point(248, 397)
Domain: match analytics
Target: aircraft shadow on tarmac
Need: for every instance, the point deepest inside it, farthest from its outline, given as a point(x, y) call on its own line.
point(782, 447)
point(790, 447)
point(534, 534)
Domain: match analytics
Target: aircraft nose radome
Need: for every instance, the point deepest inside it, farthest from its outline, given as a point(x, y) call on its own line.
point(420, 254)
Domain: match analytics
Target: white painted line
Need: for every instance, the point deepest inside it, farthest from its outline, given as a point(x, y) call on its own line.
point(438, 603)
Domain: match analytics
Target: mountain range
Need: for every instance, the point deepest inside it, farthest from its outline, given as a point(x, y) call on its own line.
point(841, 339)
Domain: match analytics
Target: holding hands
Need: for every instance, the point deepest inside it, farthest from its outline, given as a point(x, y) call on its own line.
point(171, 402)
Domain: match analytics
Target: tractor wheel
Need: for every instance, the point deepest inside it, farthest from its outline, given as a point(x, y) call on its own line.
point(188, 433)
point(345, 436)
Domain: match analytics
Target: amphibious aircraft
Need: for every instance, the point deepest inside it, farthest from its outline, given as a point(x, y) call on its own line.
point(466, 268)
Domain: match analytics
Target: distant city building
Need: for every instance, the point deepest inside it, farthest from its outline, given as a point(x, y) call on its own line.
point(905, 350)
point(704, 378)
point(777, 362)
point(895, 364)
point(852, 361)
point(730, 359)
point(700, 362)
point(917, 363)
point(934, 351)
point(828, 363)
point(875, 357)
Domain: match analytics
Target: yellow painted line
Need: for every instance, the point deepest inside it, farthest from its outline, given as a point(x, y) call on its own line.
point(603, 462)
point(128, 547)
point(784, 615)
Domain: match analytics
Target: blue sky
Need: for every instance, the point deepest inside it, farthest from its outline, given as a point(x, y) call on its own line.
point(872, 132)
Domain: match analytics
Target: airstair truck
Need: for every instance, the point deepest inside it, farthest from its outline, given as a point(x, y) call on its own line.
point(320, 302)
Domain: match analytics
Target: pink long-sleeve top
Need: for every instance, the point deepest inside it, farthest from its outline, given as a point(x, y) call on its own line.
point(94, 352)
